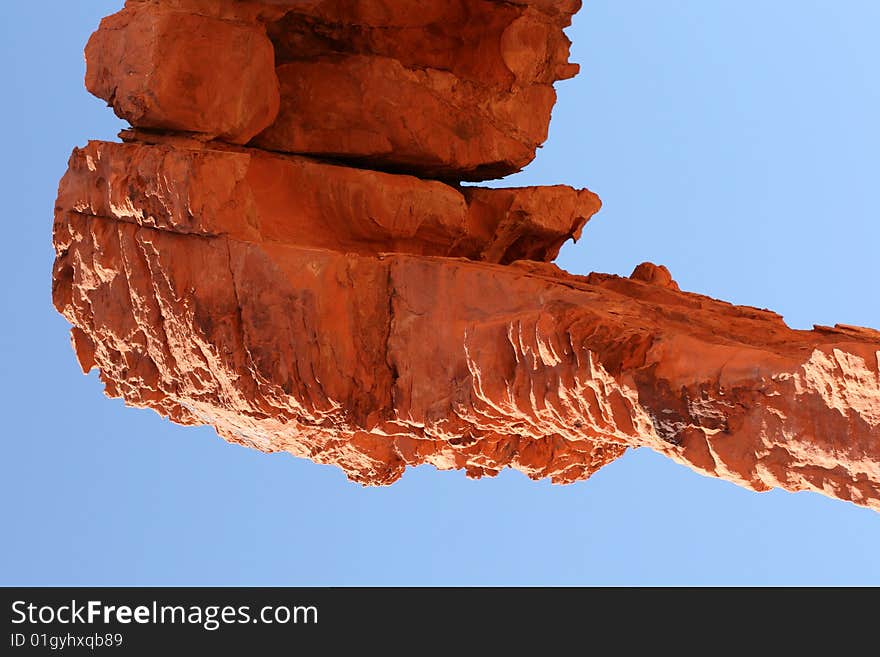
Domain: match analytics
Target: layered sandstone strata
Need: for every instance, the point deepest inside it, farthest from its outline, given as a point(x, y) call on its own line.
point(455, 89)
point(228, 265)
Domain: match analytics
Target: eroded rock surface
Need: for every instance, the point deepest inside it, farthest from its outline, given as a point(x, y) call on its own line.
point(451, 89)
point(174, 70)
point(378, 319)
point(210, 189)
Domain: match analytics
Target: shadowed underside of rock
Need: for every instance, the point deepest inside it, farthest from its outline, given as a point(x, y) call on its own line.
point(228, 265)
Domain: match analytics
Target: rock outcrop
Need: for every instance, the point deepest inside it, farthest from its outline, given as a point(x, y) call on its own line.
point(451, 89)
point(228, 264)
point(179, 71)
point(215, 189)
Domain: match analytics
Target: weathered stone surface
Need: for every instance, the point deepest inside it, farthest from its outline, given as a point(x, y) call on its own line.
point(496, 44)
point(527, 223)
point(375, 363)
point(187, 186)
point(457, 90)
point(363, 109)
point(490, 41)
point(447, 89)
point(272, 10)
point(375, 320)
point(175, 70)
point(651, 273)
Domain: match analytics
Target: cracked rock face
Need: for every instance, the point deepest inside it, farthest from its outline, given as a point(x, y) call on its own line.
point(298, 266)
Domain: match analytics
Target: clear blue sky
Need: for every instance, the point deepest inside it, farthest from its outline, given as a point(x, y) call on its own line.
point(735, 141)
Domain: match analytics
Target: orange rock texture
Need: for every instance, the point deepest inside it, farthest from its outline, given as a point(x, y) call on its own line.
point(280, 247)
point(449, 89)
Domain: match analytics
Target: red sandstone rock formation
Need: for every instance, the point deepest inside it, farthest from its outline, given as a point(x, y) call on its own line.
point(179, 71)
point(453, 89)
point(375, 320)
point(257, 196)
